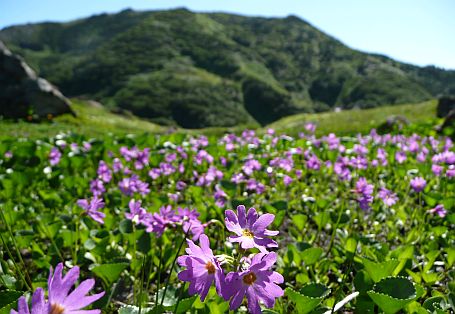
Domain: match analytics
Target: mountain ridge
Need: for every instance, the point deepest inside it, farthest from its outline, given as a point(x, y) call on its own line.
point(216, 69)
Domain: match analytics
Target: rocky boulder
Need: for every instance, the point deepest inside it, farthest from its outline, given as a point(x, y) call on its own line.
point(445, 105)
point(23, 93)
point(393, 123)
point(448, 126)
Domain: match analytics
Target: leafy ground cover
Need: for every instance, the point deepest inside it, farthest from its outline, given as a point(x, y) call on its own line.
point(189, 223)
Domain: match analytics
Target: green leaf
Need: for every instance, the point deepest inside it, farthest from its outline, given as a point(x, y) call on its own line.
point(131, 309)
point(8, 300)
point(393, 293)
point(351, 245)
point(434, 303)
point(377, 271)
point(311, 256)
point(299, 221)
point(9, 281)
point(109, 272)
point(309, 297)
point(170, 299)
point(322, 219)
point(280, 205)
point(184, 305)
point(126, 226)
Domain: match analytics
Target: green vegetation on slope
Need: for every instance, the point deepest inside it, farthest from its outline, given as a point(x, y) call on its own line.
point(349, 122)
point(90, 121)
point(94, 121)
point(198, 69)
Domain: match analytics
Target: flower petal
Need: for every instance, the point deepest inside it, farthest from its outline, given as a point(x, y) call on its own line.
point(251, 218)
point(263, 222)
point(22, 306)
point(39, 306)
point(236, 301)
point(205, 245)
point(241, 213)
point(58, 286)
point(78, 299)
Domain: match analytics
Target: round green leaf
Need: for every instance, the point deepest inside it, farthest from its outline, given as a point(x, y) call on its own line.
point(393, 293)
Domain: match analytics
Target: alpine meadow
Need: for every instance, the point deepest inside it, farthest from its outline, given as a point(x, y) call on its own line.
point(175, 161)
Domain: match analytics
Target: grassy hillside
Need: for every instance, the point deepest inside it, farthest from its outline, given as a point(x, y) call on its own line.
point(212, 69)
point(95, 121)
point(357, 121)
point(91, 121)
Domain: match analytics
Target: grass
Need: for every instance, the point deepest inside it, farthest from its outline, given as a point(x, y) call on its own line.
point(356, 121)
point(91, 121)
point(94, 121)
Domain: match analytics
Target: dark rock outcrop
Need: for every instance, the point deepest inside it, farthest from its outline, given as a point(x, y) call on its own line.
point(23, 93)
point(448, 126)
point(393, 123)
point(445, 105)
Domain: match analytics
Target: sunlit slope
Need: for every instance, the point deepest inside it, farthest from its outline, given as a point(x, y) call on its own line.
point(90, 120)
point(353, 121)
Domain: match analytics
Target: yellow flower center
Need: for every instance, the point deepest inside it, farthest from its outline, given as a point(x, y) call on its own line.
point(210, 268)
point(56, 309)
point(248, 233)
point(249, 278)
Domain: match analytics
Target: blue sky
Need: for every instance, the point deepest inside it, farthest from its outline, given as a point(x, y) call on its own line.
point(421, 32)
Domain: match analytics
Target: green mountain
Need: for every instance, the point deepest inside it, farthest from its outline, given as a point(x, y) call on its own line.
point(215, 69)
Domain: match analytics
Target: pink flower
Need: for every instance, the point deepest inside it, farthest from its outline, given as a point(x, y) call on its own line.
point(250, 229)
point(257, 283)
point(418, 184)
point(92, 208)
point(202, 268)
point(61, 301)
point(439, 210)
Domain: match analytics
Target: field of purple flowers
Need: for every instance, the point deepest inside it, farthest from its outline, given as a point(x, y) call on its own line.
point(249, 223)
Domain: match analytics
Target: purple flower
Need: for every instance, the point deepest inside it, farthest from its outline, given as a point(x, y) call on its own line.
point(202, 268)
point(439, 210)
point(255, 186)
point(287, 180)
point(250, 166)
point(436, 169)
point(220, 196)
point(92, 208)
point(310, 127)
point(104, 173)
point(365, 191)
point(313, 163)
point(388, 197)
point(157, 222)
point(257, 283)
point(400, 157)
point(190, 222)
point(137, 214)
point(97, 187)
point(362, 187)
point(117, 165)
point(132, 185)
point(421, 157)
point(142, 158)
point(73, 303)
point(39, 305)
point(250, 229)
point(180, 185)
point(8, 154)
point(450, 172)
point(418, 184)
point(54, 156)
